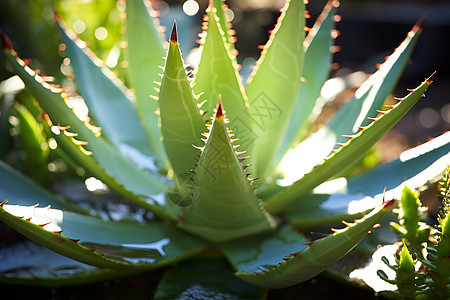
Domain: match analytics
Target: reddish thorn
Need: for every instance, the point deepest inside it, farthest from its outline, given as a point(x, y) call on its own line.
point(74, 240)
point(361, 128)
point(57, 231)
point(6, 42)
point(321, 234)
point(26, 61)
point(335, 230)
point(419, 23)
point(376, 225)
point(254, 179)
point(364, 215)
point(431, 78)
point(29, 219)
point(173, 35)
point(388, 204)
point(192, 171)
point(348, 136)
point(43, 225)
point(372, 119)
point(369, 232)
point(3, 203)
point(219, 108)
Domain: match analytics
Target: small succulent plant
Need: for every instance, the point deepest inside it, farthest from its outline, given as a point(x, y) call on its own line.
point(185, 155)
point(422, 268)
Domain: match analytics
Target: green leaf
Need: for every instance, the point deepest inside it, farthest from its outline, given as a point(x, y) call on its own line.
point(206, 277)
point(146, 52)
point(348, 198)
point(406, 274)
point(107, 98)
point(316, 68)
point(139, 185)
point(28, 263)
point(273, 87)
point(102, 243)
point(18, 189)
point(367, 99)
point(409, 215)
point(33, 142)
point(220, 7)
point(349, 153)
point(225, 205)
point(217, 76)
point(181, 122)
point(309, 261)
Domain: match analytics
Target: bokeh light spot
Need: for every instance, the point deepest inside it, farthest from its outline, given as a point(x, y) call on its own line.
point(190, 7)
point(101, 33)
point(79, 26)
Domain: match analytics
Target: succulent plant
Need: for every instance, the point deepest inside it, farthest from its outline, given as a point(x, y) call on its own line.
point(185, 154)
point(421, 268)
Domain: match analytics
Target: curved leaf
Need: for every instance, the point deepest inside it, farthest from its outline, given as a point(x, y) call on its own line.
point(348, 198)
point(316, 68)
point(135, 181)
point(367, 99)
point(32, 264)
point(107, 98)
point(18, 189)
point(146, 52)
point(312, 260)
point(274, 83)
point(349, 152)
point(102, 243)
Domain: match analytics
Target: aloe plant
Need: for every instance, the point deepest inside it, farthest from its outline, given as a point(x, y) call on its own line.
point(185, 154)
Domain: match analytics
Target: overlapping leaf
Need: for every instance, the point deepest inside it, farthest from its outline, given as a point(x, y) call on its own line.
point(146, 52)
point(349, 152)
point(148, 189)
point(181, 123)
point(225, 205)
point(348, 198)
point(273, 86)
point(108, 100)
point(367, 99)
point(106, 244)
point(273, 271)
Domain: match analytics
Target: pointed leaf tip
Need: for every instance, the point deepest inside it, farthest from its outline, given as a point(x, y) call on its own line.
point(219, 109)
point(419, 22)
point(174, 35)
point(6, 42)
point(431, 78)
